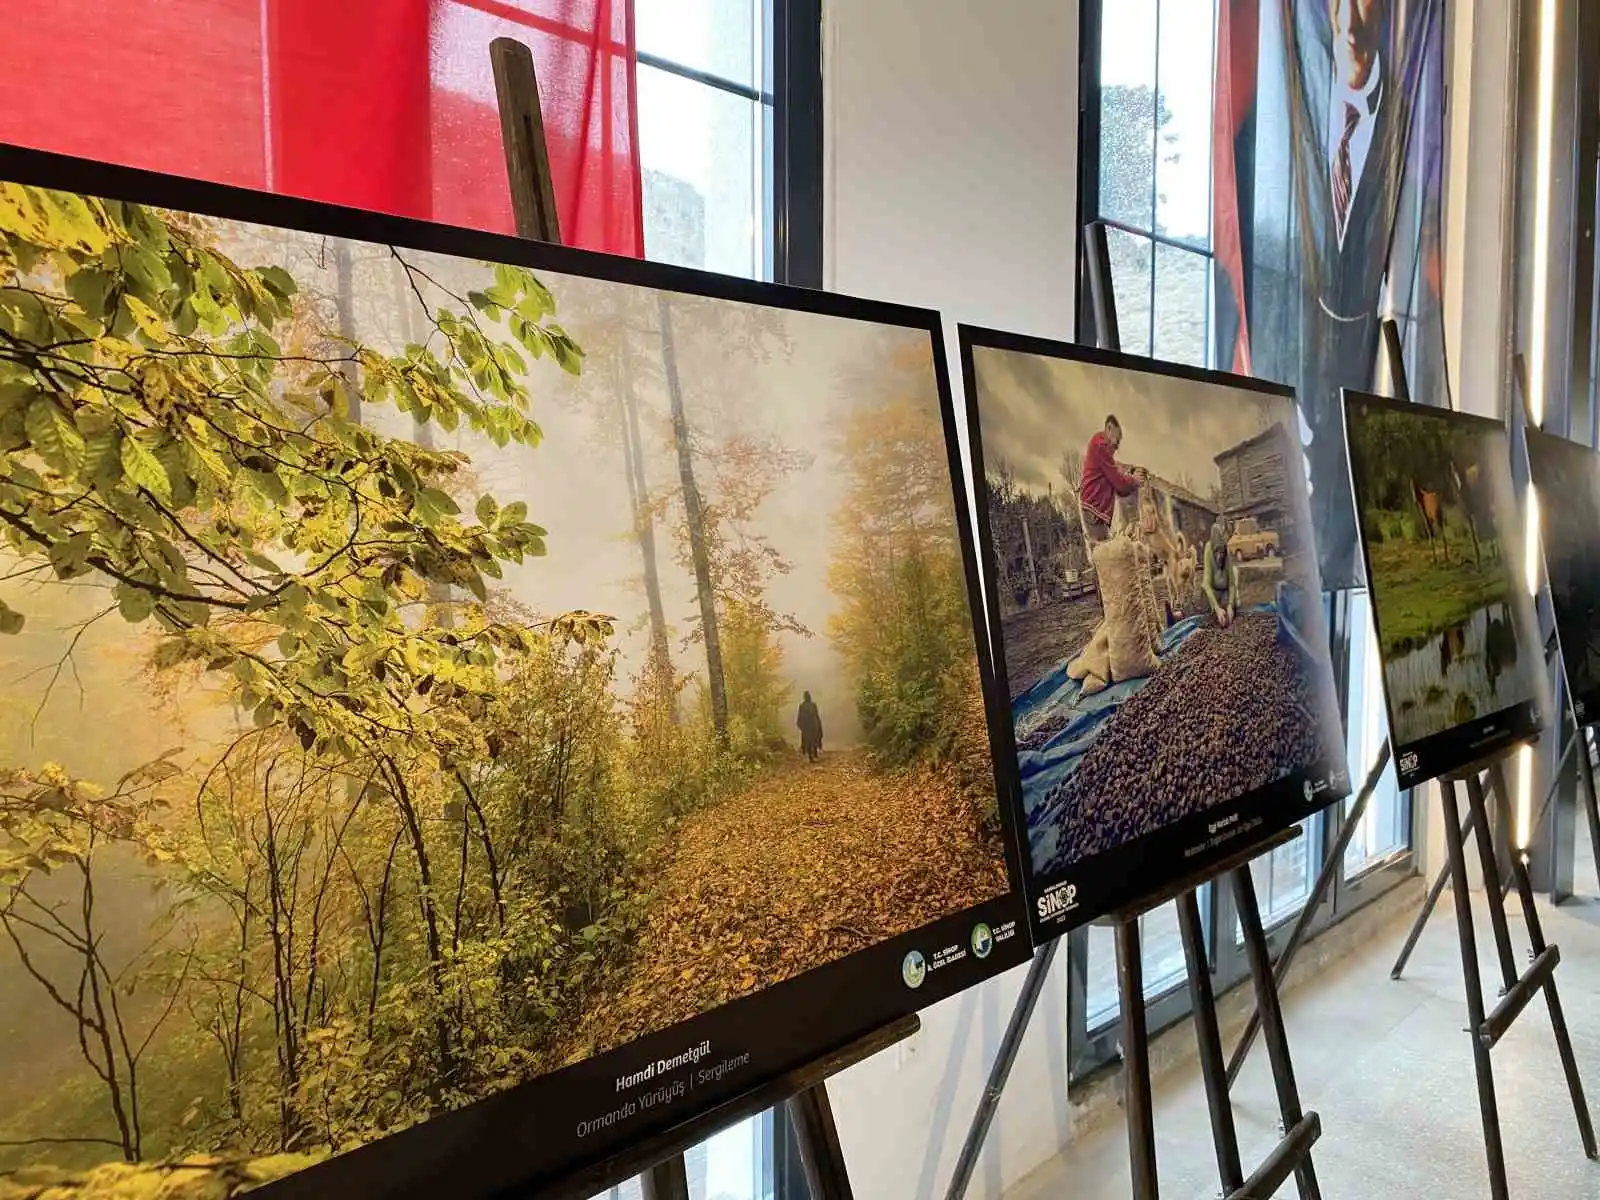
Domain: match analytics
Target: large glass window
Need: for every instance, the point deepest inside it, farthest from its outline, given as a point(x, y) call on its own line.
point(730, 135)
point(1160, 959)
point(1149, 69)
point(1153, 182)
point(705, 112)
point(1386, 825)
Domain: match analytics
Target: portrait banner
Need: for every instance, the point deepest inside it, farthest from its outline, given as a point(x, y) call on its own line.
point(1330, 117)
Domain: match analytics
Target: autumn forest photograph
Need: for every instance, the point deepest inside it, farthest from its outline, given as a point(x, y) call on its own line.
point(419, 674)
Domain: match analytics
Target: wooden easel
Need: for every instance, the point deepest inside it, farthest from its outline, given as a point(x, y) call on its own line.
point(803, 1095)
point(1590, 797)
point(1292, 1154)
point(1442, 879)
point(1487, 1028)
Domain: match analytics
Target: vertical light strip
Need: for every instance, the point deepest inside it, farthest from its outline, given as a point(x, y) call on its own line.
point(1538, 328)
point(1524, 792)
point(1539, 316)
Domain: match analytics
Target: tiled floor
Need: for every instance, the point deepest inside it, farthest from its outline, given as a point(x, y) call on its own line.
point(1389, 1069)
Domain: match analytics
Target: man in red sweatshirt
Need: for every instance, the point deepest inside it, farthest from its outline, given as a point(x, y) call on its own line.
point(1104, 481)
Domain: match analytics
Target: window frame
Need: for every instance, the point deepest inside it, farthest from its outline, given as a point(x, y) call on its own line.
point(1092, 1049)
point(791, 131)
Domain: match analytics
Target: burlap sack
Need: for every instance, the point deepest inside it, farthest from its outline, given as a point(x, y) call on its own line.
point(1133, 620)
point(1093, 665)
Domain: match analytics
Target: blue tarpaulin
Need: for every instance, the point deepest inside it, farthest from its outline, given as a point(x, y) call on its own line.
point(1056, 697)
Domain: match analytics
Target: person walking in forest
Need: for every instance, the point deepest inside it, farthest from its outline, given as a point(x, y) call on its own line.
point(809, 722)
point(1103, 481)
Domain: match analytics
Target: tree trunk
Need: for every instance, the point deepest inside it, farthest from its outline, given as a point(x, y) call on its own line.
point(697, 537)
point(644, 525)
point(430, 917)
point(127, 1117)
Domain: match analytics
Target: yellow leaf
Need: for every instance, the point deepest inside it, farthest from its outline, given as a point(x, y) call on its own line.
point(146, 318)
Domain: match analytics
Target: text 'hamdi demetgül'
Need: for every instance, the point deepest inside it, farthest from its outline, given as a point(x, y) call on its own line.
point(662, 1065)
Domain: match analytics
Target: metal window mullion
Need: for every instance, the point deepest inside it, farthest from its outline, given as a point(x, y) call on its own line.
point(1155, 154)
point(722, 84)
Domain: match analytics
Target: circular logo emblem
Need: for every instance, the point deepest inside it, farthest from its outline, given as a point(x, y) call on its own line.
point(982, 940)
point(914, 969)
point(1309, 790)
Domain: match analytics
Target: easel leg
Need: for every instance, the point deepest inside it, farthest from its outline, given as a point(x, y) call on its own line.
point(1136, 1063)
point(1434, 893)
point(666, 1180)
point(1223, 1132)
point(1272, 1028)
point(1558, 1020)
point(1021, 1015)
point(1331, 867)
point(1592, 808)
point(1489, 851)
point(821, 1156)
point(1469, 967)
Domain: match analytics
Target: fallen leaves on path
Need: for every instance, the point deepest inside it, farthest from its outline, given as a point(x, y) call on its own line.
point(808, 864)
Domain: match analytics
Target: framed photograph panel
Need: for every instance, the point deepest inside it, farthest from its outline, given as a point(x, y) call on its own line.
point(1441, 532)
point(1566, 475)
point(1158, 622)
point(467, 705)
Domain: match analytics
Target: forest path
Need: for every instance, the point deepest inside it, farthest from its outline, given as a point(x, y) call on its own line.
point(807, 864)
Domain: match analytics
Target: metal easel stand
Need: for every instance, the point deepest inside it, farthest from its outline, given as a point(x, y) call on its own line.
point(1097, 273)
point(1334, 864)
point(1436, 889)
point(1591, 808)
point(1292, 1154)
point(1331, 868)
point(1000, 1070)
point(1488, 1028)
point(803, 1094)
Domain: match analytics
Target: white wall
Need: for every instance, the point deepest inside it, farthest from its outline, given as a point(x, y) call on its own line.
point(1478, 195)
point(951, 184)
point(1477, 240)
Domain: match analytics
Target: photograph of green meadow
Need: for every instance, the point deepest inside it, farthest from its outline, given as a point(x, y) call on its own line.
point(1439, 519)
point(405, 667)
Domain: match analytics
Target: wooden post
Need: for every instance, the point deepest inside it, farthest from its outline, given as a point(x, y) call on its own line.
point(533, 199)
point(1033, 570)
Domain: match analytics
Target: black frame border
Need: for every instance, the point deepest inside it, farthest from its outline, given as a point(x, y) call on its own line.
point(1190, 842)
point(1456, 749)
point(486, 1148)
point(1585, 705)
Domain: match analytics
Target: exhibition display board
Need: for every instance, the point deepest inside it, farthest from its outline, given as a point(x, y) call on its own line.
point(1159, 628)
point(1441, 532)
point(475, 704)
point(1566, 475)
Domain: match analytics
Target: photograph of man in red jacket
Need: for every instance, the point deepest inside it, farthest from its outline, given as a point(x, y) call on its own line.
point(1104, 481)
